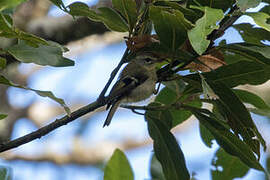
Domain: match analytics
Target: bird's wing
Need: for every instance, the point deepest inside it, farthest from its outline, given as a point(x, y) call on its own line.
point(124, 85)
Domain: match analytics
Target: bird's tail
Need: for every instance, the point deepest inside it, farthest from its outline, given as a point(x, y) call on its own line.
point(111, 113)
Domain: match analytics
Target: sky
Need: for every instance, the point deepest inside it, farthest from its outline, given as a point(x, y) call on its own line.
point(84, 82)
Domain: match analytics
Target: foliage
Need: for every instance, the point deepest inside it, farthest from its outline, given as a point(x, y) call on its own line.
point(118, 167)
point(185, 38)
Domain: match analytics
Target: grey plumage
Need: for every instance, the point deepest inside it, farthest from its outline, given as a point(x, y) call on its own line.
point(136, 83)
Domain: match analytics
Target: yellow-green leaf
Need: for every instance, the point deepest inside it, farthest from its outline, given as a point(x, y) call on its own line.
point(203, 27)
point(261, 19)
point(118, 167)
point(49, 94)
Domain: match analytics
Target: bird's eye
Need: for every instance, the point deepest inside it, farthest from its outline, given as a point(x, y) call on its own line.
point(148, 60)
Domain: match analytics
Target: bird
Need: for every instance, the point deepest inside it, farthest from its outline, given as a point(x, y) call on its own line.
point(136, 82)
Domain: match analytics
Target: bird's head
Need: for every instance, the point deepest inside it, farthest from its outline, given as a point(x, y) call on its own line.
point(147, 60)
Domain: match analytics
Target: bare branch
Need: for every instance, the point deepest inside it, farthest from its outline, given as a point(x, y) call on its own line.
point(52, 126)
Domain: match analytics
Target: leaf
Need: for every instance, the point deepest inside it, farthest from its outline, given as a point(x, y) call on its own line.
point(5, 23)
point(179, 116)
point(261, 19)
point(252, 52)
point(166, 96)
point(118, 167)
point(5, 173)
point(167, 149)
point(218, 4)
point(171, 27)
point(239, 73)
point(127, 8)
point(174, 92)
point(251, 98)
point(238, 118)
point(206, 136)
point(7, 4)
point(51, 55)
point(266, 9)
point(59, 4)
point(48, 94)
point(164, 115)
point(245, 4)
point(188, 13)
point(3, 63)
point(156, 169)
point(3, 116)
point(82, 9)
point(7, 30)
point(251, 34)
point(108, 16)
point(207, 90)
point(228, 141)
point(112, 20)
point(231, 166)
point(203, 27)
point(205, 63)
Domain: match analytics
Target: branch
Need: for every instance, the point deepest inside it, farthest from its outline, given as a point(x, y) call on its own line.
point(58, 122)
point(113, 74)
point(224, 25)
point(52, 126)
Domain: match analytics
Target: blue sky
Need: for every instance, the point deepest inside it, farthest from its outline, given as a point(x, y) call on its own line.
point(84, 82)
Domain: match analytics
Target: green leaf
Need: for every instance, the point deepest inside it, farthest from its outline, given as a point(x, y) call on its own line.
point(231, 166)
point(156, 169)
point(207, 90)
point(7, 30)
point(266, 9)
point(118, 167)
point(239, 118)
point(251, 98)
point(203, 27)
point(113, 20)
point(167, 149)
point(228, 141)
point(164, 115)
point(251, 52)
point(171, 27)
point(48, 94)
point(245, 4)
point(5, 24)
point(51, 55)
point(108, 16)
point(251, 34)
point(206, 136)
point(171, 92)
point(3, 63)
point(188, 13)
point(3, 116)
point(239, 73)
point(7, 4)
point(174, 92)
point(261, 19)
point(59, 4)
point(166, 96)
point(218, 4)
point(30, 38)
point(5, 173)
point(127, 8)
point(82, 9)
point(182, 115)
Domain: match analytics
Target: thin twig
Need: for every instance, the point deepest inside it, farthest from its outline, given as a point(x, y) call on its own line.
point(113, 74)
point(146, 108)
